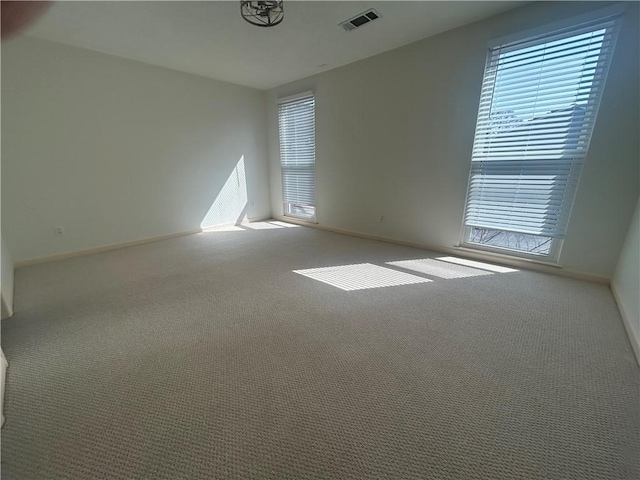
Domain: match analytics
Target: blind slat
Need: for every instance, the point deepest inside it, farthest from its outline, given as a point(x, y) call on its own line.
point(296, 119)
point(537, 111)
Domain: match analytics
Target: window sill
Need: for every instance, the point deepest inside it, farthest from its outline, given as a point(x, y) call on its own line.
point(504, 256)
point(300, 219)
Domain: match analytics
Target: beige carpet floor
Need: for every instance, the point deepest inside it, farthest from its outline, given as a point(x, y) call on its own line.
point(247, 354)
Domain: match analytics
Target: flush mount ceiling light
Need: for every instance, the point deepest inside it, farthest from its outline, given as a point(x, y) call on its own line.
point(266, 13)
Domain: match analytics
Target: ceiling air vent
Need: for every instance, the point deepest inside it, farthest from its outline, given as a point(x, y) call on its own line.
point(359, 20)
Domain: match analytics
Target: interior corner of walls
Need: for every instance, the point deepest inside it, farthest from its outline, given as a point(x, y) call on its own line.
point(5, 310)
point(627, 321)
point(6, 292)
point(3, 375)
point(199, 129)
point(266, 96)
point(625, 284)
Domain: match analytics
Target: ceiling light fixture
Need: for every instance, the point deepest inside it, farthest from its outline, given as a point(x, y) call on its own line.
point(268, 13)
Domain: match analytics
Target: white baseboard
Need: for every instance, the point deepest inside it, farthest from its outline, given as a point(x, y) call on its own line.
point(260, 219)
point(626, 320)
point(114, 246)
point(104, 248)
point(222, 226)
point(462, 252)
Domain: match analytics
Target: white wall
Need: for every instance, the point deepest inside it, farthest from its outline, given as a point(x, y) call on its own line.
point(6, 288)
point(626, 281)
point(115, 150)
point(394, 135)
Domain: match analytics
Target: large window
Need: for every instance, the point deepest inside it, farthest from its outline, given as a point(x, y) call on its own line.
point(296, 118)
point(538, 106)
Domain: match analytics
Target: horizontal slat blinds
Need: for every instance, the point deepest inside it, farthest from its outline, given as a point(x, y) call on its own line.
point(297, 155)
point(538, 107)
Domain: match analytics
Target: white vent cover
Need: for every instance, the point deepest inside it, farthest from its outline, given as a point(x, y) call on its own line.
point(360, 20)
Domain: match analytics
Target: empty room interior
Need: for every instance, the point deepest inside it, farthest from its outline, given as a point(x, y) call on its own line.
point(320, 240)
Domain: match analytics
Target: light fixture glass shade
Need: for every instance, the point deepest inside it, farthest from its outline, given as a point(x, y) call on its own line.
point(266, 13)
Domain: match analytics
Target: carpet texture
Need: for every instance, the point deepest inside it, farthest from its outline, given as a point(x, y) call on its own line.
point(215, 356)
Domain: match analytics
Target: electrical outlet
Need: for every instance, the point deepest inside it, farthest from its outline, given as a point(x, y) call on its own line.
point(58, 231)
point(252, 203)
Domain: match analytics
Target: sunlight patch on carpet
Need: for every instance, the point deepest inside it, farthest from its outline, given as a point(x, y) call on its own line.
point(361, 276)
point(439, 269)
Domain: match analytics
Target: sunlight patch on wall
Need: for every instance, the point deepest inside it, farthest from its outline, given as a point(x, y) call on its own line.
point(482, 265)
point(439, 269)
point(361, 276)
point(230, 205)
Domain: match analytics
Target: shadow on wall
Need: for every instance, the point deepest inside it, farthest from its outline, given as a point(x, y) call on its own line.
point(230, 206)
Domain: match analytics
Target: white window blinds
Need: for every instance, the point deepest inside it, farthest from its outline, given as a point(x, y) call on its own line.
point(297, 155)
point(537, 110)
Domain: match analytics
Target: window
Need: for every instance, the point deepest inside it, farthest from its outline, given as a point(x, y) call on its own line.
point(538, 106)
point(296, 117)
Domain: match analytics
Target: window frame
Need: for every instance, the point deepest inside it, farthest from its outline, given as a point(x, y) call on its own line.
point(286, 205)
point(552, 257)
point(603, 14)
